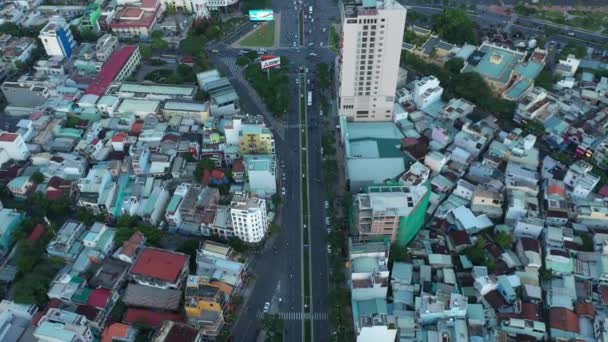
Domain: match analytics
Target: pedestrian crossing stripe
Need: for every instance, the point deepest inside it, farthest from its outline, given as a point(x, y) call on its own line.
point(297, 316)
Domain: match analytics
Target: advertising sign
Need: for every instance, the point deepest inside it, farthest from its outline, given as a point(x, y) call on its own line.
point(268, 62)
point(261, 15)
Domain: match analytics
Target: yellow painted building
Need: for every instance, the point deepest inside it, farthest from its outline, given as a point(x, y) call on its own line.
point(202, 295)
point(256, 139)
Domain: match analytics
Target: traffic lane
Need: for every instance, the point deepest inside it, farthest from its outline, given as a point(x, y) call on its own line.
point(319, 288)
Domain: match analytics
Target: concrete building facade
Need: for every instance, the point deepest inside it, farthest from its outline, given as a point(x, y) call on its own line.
point(368, 61)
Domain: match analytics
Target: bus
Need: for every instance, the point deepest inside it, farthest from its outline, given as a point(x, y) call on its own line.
point(309, 98)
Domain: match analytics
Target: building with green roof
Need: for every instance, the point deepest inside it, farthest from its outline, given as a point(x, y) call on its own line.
point(508, 72)
point(10, 220)
point(373, 152)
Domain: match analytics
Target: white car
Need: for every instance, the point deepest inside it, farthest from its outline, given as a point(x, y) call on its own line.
point(327, 221)
point(283, 191)
point(326, 204)
point(266, 307)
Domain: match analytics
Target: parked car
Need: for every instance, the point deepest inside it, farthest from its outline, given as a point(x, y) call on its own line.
point(326, 204)
point(266, 307)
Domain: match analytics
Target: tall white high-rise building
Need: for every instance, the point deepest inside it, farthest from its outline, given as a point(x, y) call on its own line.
point(249, 219)
point(57, 38)
point(368, 64)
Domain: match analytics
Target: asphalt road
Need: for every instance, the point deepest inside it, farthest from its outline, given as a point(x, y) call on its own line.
point(278, 267)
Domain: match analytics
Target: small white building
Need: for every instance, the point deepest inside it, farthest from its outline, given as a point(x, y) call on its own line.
point(579, 180)
point(261, 174)
point(567, 67)
point(14, 146)
point(249, 217)
point(427, 91)
point(57, 38)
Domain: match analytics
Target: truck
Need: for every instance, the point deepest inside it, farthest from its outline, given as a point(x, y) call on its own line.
point(309, 98)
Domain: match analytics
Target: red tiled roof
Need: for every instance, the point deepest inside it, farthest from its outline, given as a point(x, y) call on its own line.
point(110, 70)
point(181, 333)
point(90, 312)
point(217, 174)
point(8, 137)
point(603, 290)
point(529, 244)
point(124, 18)
point(36, 233)
point(54, 194)
point(556, 190)
point(206, 176)
point(495, 299)
point(603, 191)
point(529, 311)
point(160, 264)
point(460, 238)
point(149, 317)
point(99, 298)
point(585, 309)
point(52, 304)
point(149, 3)
point(237, 166)
point(563, 319)
point(137, 127)
point(119, 137)
point(130, 246)
point(114, 330)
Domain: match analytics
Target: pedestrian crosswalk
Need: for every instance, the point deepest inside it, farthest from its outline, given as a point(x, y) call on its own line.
point(298, 316)
point(231, 64)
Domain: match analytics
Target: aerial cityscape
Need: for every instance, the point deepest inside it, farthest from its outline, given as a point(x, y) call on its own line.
point(303, 170)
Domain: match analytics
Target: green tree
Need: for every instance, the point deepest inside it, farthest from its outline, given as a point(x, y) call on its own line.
point(201, 166)
point(186, 73)
point(273, 324)
point(504, 240)
point(127, 221)
point(533, 127)
point(276, 200)
point(455, 26)
point(37, 177)
point(323, 76)
point(578, 51)
point(27, 256)
point(242, 61)
point(546, 79)
point(587, 241)
point(275, 228)
point(146, 51)
point(454, 65)
point(190, 247)
point(153, 235)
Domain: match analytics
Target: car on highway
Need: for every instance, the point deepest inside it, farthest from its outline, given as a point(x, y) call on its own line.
point(326, 204)
point(266, 307)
